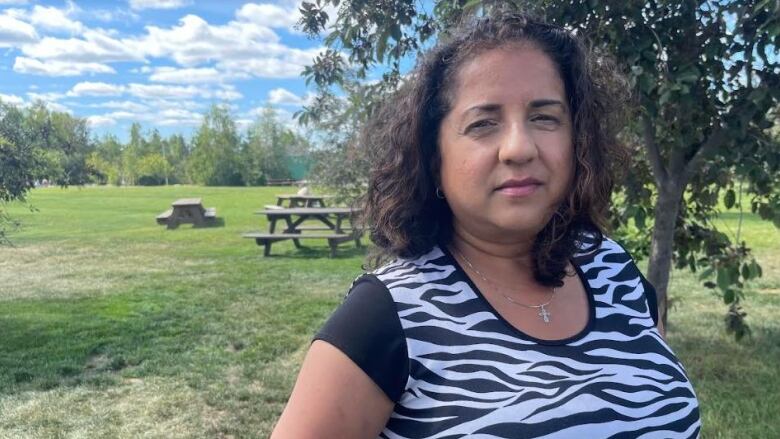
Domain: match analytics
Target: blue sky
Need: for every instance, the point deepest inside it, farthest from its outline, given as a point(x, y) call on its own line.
point(157, 62)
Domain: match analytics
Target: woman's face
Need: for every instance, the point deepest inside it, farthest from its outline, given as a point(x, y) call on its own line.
point(506, 145)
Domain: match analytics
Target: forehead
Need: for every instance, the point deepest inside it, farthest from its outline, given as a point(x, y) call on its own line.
point(514, 74)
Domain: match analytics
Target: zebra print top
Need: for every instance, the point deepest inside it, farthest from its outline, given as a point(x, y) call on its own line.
point(456, 368)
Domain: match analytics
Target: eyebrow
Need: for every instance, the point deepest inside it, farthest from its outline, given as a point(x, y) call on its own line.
point(545, 102)
point(538, 103)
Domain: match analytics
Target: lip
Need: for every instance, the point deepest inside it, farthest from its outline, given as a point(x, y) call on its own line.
point(519, 188)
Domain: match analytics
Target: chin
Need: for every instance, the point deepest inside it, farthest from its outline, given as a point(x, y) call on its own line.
point(523, 224)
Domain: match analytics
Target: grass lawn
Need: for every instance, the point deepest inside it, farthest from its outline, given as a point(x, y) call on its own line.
point(112, 326)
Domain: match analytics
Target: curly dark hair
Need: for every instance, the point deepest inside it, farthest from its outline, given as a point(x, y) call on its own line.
point(405, 217)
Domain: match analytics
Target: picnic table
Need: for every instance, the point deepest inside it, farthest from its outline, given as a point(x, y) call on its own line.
point(295, 200)
point(331, 226)
point(187, 210)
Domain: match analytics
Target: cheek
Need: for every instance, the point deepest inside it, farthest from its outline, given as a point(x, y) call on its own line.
point(460, 172)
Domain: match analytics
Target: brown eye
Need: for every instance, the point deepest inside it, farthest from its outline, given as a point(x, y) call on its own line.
point(546, 119)
point(481, 124)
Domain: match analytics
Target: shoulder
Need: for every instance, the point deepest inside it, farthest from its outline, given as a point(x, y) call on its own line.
point(367, 329)
point(610, 257)
point(432, 266)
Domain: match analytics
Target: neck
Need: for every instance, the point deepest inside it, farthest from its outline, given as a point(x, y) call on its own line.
point(507, 260)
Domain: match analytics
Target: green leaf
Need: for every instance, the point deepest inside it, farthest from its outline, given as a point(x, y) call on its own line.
point(746, 273)
point(639, 218)
point(728, 296)
point(706, 273)
point(730, 199)
point(757, 95)
point(395, 31)
point(724, 280)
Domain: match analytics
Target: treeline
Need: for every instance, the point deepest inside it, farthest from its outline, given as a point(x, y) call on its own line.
point(37, 143)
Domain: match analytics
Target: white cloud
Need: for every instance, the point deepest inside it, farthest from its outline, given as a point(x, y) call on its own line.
point(228, 93)
point(187, 76)
point(281, 96)
point(269, 15)
point(106, 15)
point(46, 97)
point(244, 47)
point(146, 91)
point(58, 68)
point(159, 91)
point(239, 48)
point(166, 117)
point(54, 106)
point(181, 122)
point(158, 4)
point(88, 88)
point(100, 121)
point(97, 46)
point(11, 99)
point(122, 105)
point(194, 41)
point(51, 18)
point(179, 114)
point(13, 2)
point(129, 115)
point(14, 32)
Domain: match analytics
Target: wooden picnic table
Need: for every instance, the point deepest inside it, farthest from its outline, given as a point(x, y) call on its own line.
point(332, 221)
point(187, 210)
point(294, 200)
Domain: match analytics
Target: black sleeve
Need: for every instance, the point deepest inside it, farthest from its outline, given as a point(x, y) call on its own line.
point(652, 298)
point(367, 329)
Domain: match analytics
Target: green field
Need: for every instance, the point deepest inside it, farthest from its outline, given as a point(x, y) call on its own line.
point(112, 326)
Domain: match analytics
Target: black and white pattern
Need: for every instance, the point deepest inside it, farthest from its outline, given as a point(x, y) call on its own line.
point(472, 374)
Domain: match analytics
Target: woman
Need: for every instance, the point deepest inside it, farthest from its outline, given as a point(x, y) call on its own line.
point(505, 313)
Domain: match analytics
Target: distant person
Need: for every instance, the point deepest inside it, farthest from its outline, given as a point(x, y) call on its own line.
point(504, 311)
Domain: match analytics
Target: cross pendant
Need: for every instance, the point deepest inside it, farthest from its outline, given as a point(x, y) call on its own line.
point(544, 314)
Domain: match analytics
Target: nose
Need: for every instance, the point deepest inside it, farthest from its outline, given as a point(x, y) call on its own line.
point(518, 145)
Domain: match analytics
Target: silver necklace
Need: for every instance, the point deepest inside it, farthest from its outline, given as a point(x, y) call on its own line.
point(544, 314)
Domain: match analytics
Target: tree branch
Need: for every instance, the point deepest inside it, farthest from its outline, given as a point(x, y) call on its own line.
point(648, 133)
point(714, 141)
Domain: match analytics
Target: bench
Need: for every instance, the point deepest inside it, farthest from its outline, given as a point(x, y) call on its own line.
point(334, 239)
point(163, 217)
point(187, 210)
point(321, 228)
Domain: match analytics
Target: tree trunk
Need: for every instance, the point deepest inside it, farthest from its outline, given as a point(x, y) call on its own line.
point(662, 246)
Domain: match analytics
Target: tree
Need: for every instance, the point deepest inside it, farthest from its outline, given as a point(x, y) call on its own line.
point(153, 169)
point(705, 76)
point(215, 152)
point(36, 143)
point(177, 153)
point(107, 160)
point(269, 149)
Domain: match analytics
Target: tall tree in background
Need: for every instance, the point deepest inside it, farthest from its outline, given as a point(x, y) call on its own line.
point(270, 149)
point(214, 159)
point(705, 75)
point(177, 153)
point(36, 144)
point(106, 160)
point(20, 163)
